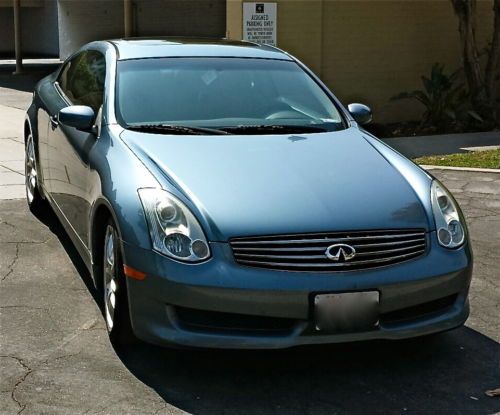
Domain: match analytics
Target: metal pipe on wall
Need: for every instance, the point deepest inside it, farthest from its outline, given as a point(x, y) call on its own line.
point(128, 17)
point(17, 35)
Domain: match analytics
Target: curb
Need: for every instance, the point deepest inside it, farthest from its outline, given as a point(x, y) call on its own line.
point(470, 169)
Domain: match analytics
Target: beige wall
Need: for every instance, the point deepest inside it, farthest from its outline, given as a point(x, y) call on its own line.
point(370, 50)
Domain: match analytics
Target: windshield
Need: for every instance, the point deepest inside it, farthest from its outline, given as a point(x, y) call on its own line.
point(218, 93)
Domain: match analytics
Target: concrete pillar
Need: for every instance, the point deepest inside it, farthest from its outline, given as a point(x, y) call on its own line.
point(17, 36)
point(128, 18)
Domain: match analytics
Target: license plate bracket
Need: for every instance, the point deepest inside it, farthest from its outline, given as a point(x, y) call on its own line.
point(346, 312)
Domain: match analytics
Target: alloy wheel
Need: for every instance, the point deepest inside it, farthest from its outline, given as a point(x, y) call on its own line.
point(110, 278)
point(30, 170)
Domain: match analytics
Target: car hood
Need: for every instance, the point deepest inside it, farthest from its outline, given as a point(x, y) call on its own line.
point(242, 185)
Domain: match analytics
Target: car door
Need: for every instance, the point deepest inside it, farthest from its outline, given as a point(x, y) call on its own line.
point(81, 84)
point(44, 98)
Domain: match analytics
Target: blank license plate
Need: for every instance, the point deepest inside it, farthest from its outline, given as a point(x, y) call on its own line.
point(346, 312)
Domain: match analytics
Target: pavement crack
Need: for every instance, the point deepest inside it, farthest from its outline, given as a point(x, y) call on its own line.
point(28, 371)
point(28, 242)
point(11, 266)
point(62, 357)
point(3, 222)
point(24, 306)
point(91, 325)
point(11, 170)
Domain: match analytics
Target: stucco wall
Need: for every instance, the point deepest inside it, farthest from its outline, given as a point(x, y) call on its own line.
point(39, 34)
point(83, 21)
point(370, 50)
point(205, 18)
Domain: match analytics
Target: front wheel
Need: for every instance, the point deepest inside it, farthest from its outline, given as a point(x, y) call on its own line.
point(35, 201)
point(116, 312)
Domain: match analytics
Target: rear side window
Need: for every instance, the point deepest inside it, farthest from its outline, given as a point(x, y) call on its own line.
point(82, 79)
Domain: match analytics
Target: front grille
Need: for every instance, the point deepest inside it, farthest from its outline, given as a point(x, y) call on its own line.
point(307, 252)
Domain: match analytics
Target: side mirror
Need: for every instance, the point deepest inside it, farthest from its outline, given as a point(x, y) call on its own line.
point(80, 117)
point(361, 113)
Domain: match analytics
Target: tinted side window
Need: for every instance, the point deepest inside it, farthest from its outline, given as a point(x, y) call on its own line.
point(82, 79)
point(63, 76)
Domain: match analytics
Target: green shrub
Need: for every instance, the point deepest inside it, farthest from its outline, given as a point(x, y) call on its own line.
point(447, 104)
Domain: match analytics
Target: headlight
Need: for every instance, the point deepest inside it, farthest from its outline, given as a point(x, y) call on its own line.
point(173, 228)
point(450, 230)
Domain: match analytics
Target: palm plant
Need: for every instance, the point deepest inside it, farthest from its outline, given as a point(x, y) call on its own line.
point(444, 98)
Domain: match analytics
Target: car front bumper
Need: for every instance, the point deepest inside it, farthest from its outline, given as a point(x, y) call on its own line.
point(220, 304)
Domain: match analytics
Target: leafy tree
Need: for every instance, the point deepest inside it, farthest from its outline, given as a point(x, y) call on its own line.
point(481, 80)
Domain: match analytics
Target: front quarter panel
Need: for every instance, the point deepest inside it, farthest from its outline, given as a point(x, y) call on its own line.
point(419, 179)
point(115, 172)
point(115, 175)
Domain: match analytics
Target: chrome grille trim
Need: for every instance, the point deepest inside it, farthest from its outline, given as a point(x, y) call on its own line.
point(322, 248)
point(307, 252)
point(331, 240)
point(291, 264)
point(359, 254)
point(413, 247)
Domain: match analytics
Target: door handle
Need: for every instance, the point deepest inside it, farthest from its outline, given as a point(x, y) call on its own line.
point(53, 121)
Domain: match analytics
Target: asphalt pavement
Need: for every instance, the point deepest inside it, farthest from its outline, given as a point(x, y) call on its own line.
point(56, 358)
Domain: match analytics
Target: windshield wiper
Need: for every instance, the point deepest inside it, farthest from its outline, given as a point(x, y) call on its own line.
point(176, 129)
point(284, 129)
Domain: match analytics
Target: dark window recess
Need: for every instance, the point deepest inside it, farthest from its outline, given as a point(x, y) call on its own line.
point(217, 322)
point(405, 315)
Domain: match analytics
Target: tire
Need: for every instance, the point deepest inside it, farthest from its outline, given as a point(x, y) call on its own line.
point(36, 203)
point(114, 290)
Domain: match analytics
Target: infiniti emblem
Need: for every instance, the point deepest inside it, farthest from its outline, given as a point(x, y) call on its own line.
point(340, 252)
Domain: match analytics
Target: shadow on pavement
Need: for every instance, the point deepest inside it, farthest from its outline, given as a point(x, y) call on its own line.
point(27, 80)
point(49, 218)
point(446, 373)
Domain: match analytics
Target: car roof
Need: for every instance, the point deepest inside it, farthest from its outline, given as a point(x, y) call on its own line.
point(140, 48)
